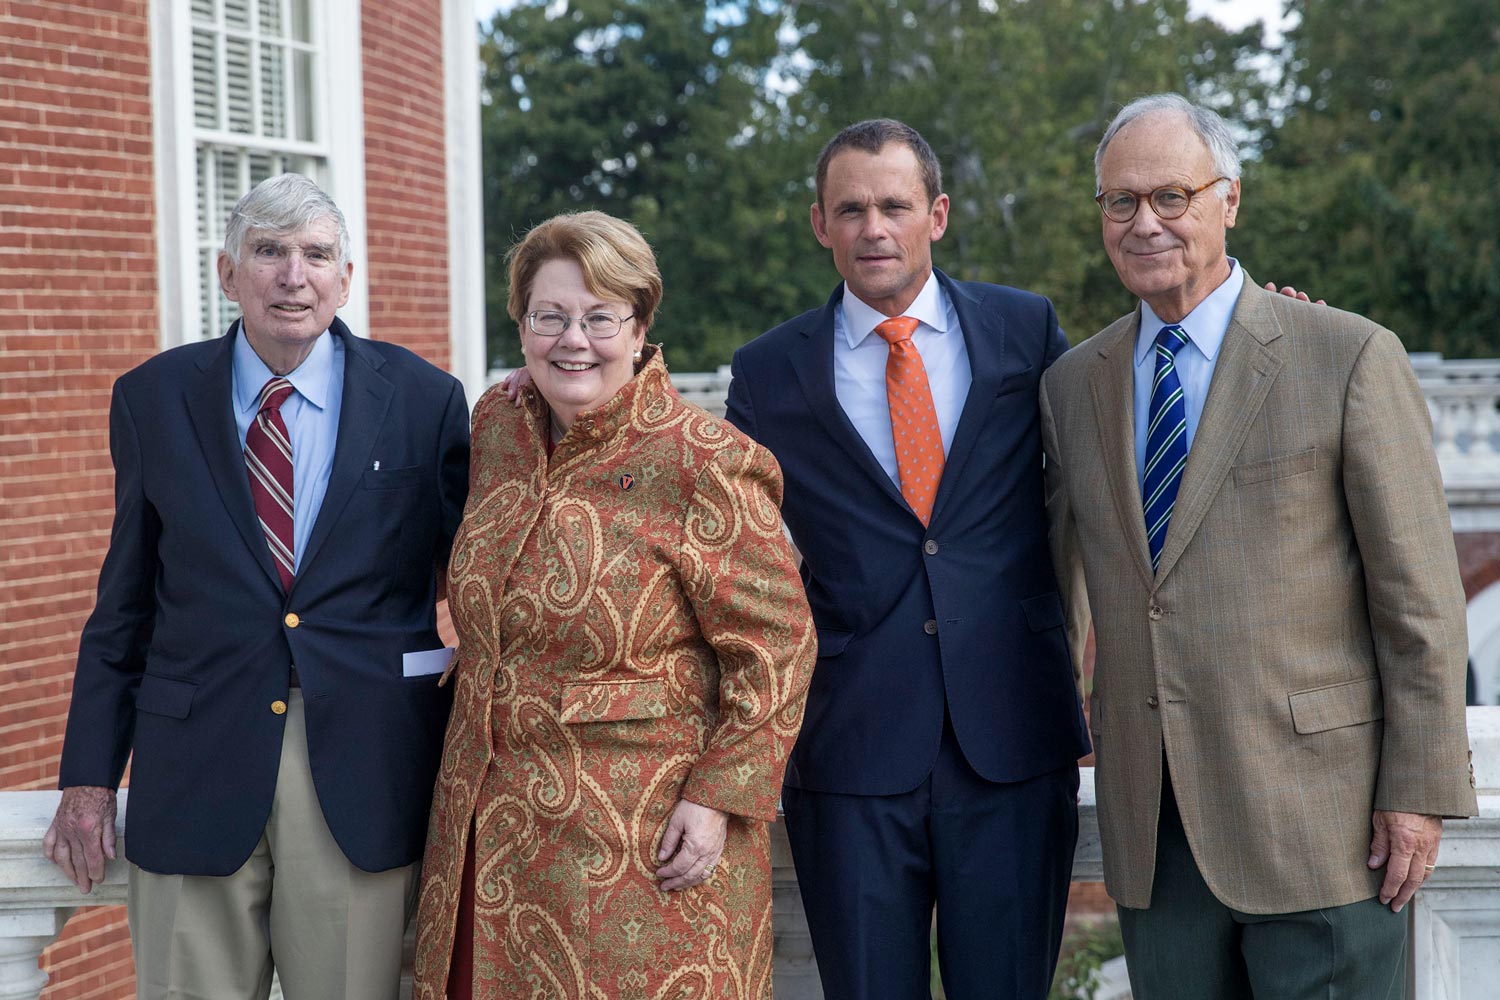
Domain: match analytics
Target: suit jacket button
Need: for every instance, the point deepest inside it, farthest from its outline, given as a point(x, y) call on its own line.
point(930, 547)
point(278, 707)
point(930, 627)
point(291, 619)
point(1152, 701)
point(1155, 613)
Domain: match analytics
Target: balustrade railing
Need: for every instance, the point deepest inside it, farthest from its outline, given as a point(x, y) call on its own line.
point(1455, 919)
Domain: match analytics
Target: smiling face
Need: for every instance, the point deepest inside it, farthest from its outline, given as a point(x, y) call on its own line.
point(1173, 264)
point(288, 286)
point(876, 219)
point(574, 372)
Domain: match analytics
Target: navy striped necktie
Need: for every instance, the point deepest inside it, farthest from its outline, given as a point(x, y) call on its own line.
point(1166, 440)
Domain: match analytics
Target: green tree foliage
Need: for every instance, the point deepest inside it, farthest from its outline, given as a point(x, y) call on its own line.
point(1375, 187)
point(1013, 96)
point(655, 111)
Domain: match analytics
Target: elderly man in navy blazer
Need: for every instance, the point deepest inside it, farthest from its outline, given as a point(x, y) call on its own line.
point(264, 644)
point(938, 760)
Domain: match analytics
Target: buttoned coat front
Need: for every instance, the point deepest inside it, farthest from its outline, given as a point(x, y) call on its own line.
point(632, 631)
point(1299, 653)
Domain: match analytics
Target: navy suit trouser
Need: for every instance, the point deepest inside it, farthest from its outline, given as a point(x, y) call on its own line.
point(995, 858)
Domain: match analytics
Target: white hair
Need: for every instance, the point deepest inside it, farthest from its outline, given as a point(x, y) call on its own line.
point(283, 204)
point(1212, 129)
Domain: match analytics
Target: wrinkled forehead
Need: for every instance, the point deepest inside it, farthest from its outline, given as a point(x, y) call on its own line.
point(322, 233)
point(1155, 150)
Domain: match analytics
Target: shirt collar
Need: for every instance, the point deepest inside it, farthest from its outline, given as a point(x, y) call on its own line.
point(311, 378)
point(1205, 326)
point(860, 318)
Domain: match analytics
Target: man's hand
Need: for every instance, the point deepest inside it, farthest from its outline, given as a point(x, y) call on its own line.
point(519, 379)
point(696, 835)
point(1407, 844)
point(1291, 293)
point(82, 834)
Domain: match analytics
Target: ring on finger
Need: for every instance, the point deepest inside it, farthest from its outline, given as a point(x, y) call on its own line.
point(1430, 867)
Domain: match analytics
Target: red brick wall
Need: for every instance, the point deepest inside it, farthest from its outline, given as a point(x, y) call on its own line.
point(1478, 560)
point(406, 175)
point(77, 307)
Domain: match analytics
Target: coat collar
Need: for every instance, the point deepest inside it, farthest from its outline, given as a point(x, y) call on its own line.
point(1247, 367)
point(985, 342)
point(366, 399)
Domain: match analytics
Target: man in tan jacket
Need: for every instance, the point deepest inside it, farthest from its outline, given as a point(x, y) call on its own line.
point(1248, 485)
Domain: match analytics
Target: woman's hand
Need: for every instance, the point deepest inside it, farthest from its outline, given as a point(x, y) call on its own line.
point(696, 835)
point(513, 383)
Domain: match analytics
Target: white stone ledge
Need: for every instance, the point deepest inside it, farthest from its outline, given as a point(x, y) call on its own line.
point(1455, 921)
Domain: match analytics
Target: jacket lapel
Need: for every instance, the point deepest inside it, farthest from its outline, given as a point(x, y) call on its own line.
point(812, 361)
point(984, 342)
point(1112, 381)
point(210, 405)
point(366, 399)
point(1242, 378)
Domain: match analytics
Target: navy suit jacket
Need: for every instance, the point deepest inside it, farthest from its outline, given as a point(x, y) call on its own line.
point(192, 639)
point(963, 614)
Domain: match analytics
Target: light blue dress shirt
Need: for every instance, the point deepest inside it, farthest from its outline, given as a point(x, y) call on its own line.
point(859, 356)
point(311, 415)
point(1205, 327)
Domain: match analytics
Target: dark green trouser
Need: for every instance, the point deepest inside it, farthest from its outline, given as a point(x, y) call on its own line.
point(1190, 946)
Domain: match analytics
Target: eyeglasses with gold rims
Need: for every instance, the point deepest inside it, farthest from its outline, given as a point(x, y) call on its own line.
point(1170, 202)
point(595, 325)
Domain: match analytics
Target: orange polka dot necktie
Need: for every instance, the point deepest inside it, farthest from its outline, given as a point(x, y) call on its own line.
point(914, 426)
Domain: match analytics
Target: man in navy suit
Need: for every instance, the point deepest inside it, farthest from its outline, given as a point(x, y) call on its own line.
point(268, 675)
point(938, 761)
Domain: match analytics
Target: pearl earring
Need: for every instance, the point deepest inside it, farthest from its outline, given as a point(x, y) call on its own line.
point(637, 355)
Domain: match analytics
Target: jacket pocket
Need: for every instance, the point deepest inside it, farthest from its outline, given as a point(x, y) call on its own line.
point(1334, 706)
point(832, 641)
point(391, 479)
point(614, 701)
point(1043, 611)
point(165, 696)
point(1279, 467)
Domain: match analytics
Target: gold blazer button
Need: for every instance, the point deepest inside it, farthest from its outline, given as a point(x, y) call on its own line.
point(291, 619)
point(278, 707)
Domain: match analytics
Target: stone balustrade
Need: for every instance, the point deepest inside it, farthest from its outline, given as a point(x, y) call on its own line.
point(1455, 920)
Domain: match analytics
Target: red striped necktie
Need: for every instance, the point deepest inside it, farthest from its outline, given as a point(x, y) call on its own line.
point(268, 457)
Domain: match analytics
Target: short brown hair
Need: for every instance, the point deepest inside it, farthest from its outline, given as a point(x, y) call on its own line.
point(873, 135)
point(616, 260)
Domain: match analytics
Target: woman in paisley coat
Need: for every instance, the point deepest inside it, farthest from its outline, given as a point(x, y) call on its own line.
point(634, 653)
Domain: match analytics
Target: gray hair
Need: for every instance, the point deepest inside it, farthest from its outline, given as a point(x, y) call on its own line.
point(283, 204)
point(1212, 129)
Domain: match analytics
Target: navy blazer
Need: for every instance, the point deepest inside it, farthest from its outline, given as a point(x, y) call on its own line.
point(192, 639)
point(963, 614)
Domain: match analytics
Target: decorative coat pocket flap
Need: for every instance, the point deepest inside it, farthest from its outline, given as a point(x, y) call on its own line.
point(392, 479)
point(1043, 611)
point(165, 696)
point(1334, 706)
point(614, 701)
point(832, 641)
point(1276, 468)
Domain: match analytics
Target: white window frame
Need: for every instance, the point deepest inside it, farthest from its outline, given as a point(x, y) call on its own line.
point(466, 329)
point(340, 96)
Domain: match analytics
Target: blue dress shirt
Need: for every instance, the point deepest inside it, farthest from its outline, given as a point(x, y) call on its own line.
point(311, 415)
point(859, 356)
point(1205, 327)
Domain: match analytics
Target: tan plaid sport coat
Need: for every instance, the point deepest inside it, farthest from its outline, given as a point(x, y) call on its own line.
point(1300, 651)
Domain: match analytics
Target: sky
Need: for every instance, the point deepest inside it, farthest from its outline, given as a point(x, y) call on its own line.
point(1231, 13)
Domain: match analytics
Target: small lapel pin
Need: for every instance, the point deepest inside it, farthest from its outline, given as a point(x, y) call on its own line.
point(627, 481)
point(377, 465)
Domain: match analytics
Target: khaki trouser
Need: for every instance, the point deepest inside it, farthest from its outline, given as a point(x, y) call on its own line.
point(329, 929)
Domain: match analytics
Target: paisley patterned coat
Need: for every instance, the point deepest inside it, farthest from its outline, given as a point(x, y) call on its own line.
point(632, 631)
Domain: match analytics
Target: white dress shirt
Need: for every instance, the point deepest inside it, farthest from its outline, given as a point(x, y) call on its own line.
point(1205, 327)
point(859, 356)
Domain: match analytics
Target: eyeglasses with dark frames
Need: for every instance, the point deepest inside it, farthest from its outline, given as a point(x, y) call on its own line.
point(597, 325)
point(1169, 202)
